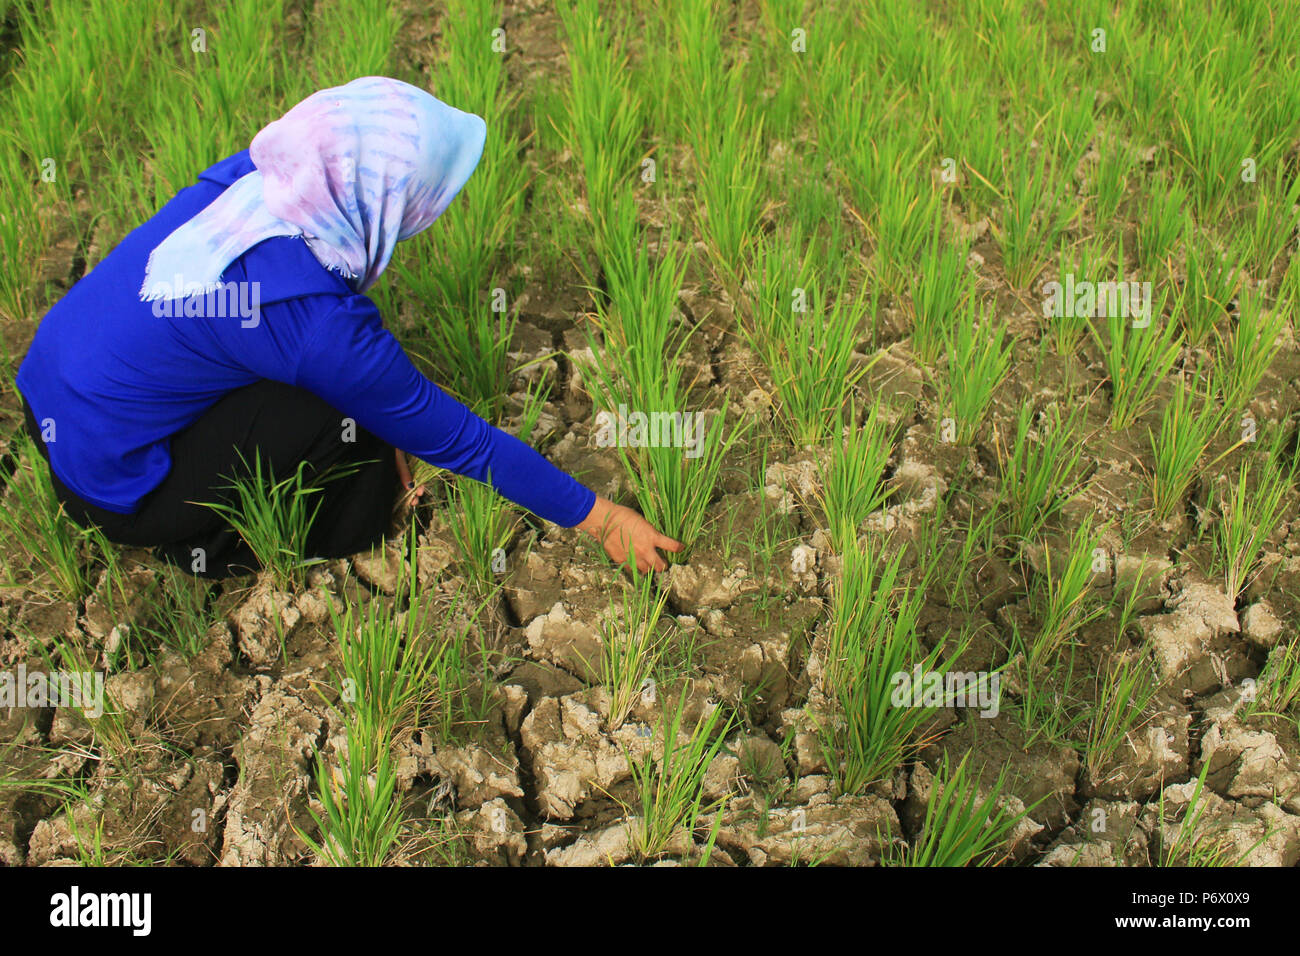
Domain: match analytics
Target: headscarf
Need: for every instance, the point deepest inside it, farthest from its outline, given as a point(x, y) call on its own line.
point(352, 169)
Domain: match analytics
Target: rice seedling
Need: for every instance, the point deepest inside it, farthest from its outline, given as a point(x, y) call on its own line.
point(1039, 469)
point(632, 643)
point(906, 209)
point(675, 481)
point(181, 619)
point(361, 818)
point(361, 37)
point(670, 790)
point(1071, 324)
point(1164, 221)
point(605, 112)
point(1047, 707)
point(1124, 691)
point(1270, 229)
point(946, 558)
point(33, 514)
point(959, 828)
point(978, 361)
point(941, 289)
point(1249, 513)
point(1062, 594)
point(1249, 351)
point(872, 640)
point(1212, 282)
point(853, 484)
point(806, 335)
point(1186, 430)
point(384, 675)
point(1137, 360)
point(1277, 692)
point(482, 524)
point(462, 675)
point(110, 726)
point(1213, 139)
point(274, 517)
point(1035, 214)
point(637, 317)
point(1187, 842)
point(1110, 180)
point(700, 82)
point(729, 175)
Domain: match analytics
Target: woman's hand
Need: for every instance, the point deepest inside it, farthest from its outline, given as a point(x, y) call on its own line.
point(404, 476)
point(621, 530)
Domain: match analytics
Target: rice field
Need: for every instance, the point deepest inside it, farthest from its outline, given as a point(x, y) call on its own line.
point(955, 340)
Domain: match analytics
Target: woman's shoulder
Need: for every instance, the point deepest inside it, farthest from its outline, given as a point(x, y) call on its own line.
point(226, 171)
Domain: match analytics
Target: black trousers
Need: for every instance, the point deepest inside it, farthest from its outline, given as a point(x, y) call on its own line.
point(283, 424)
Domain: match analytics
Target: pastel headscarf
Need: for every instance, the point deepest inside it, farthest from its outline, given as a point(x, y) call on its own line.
point(352, 169)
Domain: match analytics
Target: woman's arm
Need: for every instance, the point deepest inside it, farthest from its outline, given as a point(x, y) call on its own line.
point(356, 365)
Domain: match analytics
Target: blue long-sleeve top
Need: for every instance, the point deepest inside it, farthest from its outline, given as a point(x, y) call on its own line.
point(118, 380)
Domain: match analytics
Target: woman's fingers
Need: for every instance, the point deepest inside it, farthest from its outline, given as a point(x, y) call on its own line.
point(623, 533)
point(404, 475)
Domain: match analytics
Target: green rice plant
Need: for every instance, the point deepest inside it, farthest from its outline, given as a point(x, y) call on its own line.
point(1124, 691)
point(181, 618)
point(1035, 214)
point(1185, 434)
point(384, 674)
point(1165, 219)
point(698, 80)
point(806, 334)
point(1047, 706)
point(33, 514)
point(605, 111)
point(729, 167)
point(947, 559)
point(110, 726)
point(1277, 692)
point(942, 288)
point(1249, 350)
point(1249, 513)
point(1212, 140)
point(469, 343)
point(274, 517)
point(1190, 844)
point(1137, 359)
point(675, 481)
point(362, 817)
point(482, 523)
point(670, 790)
point(959, 828)
point(907, 207)
point(1109, 185)
point(1039, 469)
point(1062, 596)
point(461, 676)
point(872, 638)
point(1071, 324)
point(636, 318)
point(359, 39)
point(1213, 280)
point(1273, 223)
point(978, 361)
point(853, 483)
point(632, 644)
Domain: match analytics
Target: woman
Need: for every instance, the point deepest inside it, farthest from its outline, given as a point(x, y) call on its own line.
point(234, 323)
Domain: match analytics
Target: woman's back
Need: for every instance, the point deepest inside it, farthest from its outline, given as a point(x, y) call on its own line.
point(110, 377)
